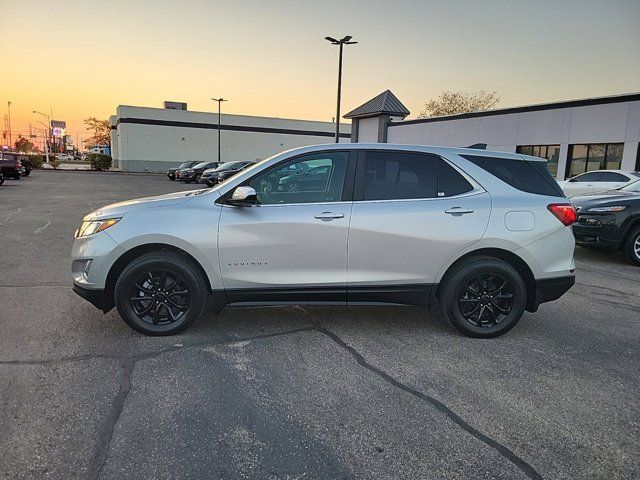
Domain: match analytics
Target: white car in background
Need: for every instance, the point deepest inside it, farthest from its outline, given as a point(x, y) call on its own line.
point(598, 181)
point(64, 157)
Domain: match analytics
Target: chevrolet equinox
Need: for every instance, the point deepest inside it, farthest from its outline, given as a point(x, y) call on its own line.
point(483, 235)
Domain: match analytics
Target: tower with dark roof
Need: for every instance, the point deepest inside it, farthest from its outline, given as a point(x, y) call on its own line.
point(370, 120)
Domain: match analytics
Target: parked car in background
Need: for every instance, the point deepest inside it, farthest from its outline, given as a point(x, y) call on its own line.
point(1, 178)
point(171, 173)
point(192, 174)
point(312, 179)
point(597, 181)
point(212, 176)
point(11, 165)
point(610, 221)
point(64, 157)
point(483, 235)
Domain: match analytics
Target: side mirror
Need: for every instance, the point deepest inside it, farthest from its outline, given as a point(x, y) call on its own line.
point(243, 197)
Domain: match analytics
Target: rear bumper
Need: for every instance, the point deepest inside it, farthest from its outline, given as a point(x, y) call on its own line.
point(550, 289)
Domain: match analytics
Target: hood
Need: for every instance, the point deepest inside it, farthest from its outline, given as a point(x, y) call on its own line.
point(120, 208)
point(611, 197)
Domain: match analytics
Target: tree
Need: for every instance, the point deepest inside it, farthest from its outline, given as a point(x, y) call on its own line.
point(101, 130)
point(25, 146)
point(451, 103)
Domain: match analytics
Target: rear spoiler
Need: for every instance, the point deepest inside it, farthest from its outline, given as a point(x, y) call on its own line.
point(478, 146)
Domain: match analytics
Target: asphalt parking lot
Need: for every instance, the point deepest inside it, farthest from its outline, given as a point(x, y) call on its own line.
point(300, 392)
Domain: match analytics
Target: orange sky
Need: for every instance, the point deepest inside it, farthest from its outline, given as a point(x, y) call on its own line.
point(83, 58)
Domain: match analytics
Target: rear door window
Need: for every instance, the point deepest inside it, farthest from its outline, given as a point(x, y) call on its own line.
point(588, 177)
point(527, 176)
point(613, 177)
point(390, 175)
point(450, 182)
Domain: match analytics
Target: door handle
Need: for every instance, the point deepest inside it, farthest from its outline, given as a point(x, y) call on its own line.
point(326, 216)
point(457, 211)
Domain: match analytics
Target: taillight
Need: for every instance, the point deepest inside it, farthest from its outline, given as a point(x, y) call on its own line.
point(18, 165)
point(565, 212)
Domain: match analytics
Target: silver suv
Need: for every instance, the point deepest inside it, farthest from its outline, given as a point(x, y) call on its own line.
point(483, 235)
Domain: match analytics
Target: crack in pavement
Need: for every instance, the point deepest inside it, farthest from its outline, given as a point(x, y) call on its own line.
point(523, 466)
point(128, 363)
point(103, 445)
point(153, 353)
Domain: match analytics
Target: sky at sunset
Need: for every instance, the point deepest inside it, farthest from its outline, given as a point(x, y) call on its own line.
point(83, 58)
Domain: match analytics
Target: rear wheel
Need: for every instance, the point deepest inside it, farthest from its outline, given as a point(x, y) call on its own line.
point(631, 246)
point(483, 297)
point(160, 293)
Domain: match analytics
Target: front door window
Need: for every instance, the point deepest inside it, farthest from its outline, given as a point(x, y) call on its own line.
point(313, 178)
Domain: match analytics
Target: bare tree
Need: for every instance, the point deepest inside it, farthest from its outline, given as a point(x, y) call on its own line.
point(101, 130)
point(451, 103)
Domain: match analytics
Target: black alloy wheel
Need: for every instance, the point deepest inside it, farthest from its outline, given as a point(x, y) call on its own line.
point(161, 293)
point(482, 297)
point(485, 300)
point(159, 297)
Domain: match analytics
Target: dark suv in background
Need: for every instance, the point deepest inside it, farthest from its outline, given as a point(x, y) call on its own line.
point(221, 173)
point(193, 174)
point(11, 165)
point(171, 173)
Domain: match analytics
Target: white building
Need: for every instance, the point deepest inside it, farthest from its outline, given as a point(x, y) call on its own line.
point(575, 136)
point(154, 139)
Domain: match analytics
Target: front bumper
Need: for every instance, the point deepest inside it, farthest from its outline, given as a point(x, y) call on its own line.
point(211, 179)
point(599, 231)
point(94, 297)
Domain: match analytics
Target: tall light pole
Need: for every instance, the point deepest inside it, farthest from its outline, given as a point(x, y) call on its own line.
point(343, 41)
point(219, 100)
point(46, 143)
point(9, 112)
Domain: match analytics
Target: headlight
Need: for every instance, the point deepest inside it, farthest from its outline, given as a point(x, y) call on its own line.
point(95, 226)
point(616, 208)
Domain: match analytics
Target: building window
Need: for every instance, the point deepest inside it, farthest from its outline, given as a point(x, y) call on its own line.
point(550, 152)
point(594, 156)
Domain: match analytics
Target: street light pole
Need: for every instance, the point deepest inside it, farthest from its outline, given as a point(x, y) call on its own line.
point(46, 143)
point(219, 100)
point(9, 112)
point(343, 41)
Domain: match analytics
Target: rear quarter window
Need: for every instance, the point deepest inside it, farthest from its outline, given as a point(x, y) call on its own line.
point(524, 175)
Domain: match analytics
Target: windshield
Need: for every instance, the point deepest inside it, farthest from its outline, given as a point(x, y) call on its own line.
point(200, 165)
point(632, 187)
point(184, 165)
point(226, 166)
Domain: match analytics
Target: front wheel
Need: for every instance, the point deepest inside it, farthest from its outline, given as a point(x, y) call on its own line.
point(631, 246)
point(160, 293)
point(483, 297)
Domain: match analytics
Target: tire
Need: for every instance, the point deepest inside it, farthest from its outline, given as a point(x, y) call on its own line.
point(172, 178)
point(1, 180)
point(631, 246)
point(159, 310)
point(26, 174)
point(197, 179)
point(187, 181)
point(466, 307)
